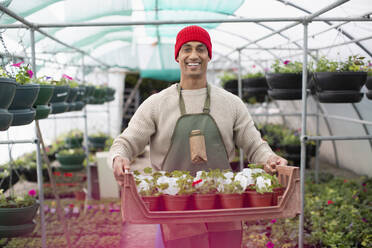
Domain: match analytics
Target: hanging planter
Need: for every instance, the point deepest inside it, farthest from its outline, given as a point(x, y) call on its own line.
point(110, 92)
point(59, 97)
point(21, 107)
point(97, 141)
point(42, 101)
point(369, 87)
point(79, 101)
point(71, 160)
point(89, 90)
point(254, 88)
point(71, 98)
point(99, 95)
point(7, 92)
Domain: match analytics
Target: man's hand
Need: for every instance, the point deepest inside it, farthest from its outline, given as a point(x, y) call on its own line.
point(120, 165)
point(272, 162)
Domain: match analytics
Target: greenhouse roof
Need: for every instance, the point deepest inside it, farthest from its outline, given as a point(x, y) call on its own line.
point(121, 33)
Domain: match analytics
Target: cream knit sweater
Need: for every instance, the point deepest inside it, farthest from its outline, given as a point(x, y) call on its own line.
point(155, 120)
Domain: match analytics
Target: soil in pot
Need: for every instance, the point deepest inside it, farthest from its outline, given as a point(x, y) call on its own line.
point(176, 202)
point(204, 201)
point(231, 200)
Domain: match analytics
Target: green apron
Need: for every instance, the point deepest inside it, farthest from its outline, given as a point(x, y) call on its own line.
point(178, 157)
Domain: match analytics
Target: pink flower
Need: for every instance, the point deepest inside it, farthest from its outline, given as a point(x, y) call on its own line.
point(30, 73)
point(67, 77)
point(253, 66)
point(273, 221)
point(286, 62)
point(18, 64)
point(330, 202)
point(270, 244)
point(32, 192)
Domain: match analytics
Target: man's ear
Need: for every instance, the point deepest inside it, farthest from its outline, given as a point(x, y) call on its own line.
point(177, 59)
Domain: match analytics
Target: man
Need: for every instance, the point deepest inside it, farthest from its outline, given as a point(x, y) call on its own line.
point(169, 119)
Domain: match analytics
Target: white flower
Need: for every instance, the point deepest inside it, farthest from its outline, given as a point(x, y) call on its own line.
point(229, 175)
point(243, 180)
point(262, 183)
point(172, 185)
point(143, 186)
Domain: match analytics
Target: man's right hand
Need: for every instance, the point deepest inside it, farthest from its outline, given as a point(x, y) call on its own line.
point(120, 164)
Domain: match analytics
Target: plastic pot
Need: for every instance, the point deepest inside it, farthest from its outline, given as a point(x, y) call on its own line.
point(334, 81)
point(97, 142)
point(7, 92)
point(79, 195)
point(259, 82)
point(45, 95)
point(60, 94)
point(16, 230)
point(204, 201)
point(74, 142)
point(17, 216)
point(231, 200)
point(42, 112)
point(340, 96)
point(176, 202)
point(255, 199)
point(277, 192)
point(152, 202)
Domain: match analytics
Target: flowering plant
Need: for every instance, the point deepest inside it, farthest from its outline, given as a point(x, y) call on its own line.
point(67, 152)
point(287, 67)
point(253, 75)
point(353, 63)
point(204, 182)
point(17, 201)
point(24, 74)
point(227, 184)
point(45, 80)
point(227, 76)
point(176, 183)
point(146, 184)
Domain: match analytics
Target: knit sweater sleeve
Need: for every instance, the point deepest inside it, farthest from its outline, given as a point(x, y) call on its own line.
point(137, 135)
point(247, 137)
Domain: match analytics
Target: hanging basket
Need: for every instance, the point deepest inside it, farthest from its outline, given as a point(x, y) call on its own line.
point(135, 211)
point(369, 87)
point(285, 86)
point(110, 92)
point(21, 107)
point(17, 230)
point(97, 142)
point(42, 101)
point(339, 87)
point(59, 97)
point(72, 162)
point(73, 94)
point(7, 92)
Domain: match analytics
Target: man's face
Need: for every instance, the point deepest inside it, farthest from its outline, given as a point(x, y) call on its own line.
point(193, 59)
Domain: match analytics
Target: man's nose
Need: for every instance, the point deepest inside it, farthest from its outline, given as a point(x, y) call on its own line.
point(194, 54)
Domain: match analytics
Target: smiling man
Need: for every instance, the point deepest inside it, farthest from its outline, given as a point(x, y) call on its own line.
point(169, 120)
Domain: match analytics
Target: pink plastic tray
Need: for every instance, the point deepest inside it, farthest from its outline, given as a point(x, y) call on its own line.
point(134, 210)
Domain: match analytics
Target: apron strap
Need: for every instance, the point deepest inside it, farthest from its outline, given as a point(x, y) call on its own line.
point(207, 102)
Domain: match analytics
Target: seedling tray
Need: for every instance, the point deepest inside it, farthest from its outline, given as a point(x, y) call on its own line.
point(134, 210)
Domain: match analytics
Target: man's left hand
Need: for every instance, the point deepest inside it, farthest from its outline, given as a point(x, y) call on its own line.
point(272, 162)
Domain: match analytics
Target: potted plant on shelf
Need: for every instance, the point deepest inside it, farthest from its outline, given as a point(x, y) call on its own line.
point(339, 82)
point(71, 159)
point(205, 190)
point(176, 189)
point(7, 92)
point(17, 214)
point(43, 98)
point(60, 95)
point(230, 189)
point(147, 188)
point(286, 81)
point(25, 96)
point(254, 87)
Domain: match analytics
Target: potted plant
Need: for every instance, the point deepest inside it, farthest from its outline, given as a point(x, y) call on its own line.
point(43, 98)
point(147, 188)
point(262, 194)
point(25, 96)
point(176, 189)
point(339, 82)
point(74, 139)
point(230, 189)
point(229, 82)
point(286, 81)
point(254, 87)
point(79, 101)
point(74, 90)
point(17, 214)
point(110, 92)
point(278, 189)
point(97, 140)
point(71, 159)
point(89, 90)
point(205, 190)
point(7, 92)
point(99, 95)
point(369, 81)
point(60, 95)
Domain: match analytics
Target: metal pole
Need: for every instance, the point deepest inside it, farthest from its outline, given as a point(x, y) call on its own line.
point(303, 141)
point(317, 146)
point(39, 168)
point(89, 177)
point(364, 137)
point(241, 152)
point(108, 119)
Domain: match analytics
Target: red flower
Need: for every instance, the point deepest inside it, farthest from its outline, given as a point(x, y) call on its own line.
point(67, 174)
point(57, 173)
point(18, 64)
point(196, 182)
point(286, 62)
point(32, 192)
point(270, 244)
point(330, 202)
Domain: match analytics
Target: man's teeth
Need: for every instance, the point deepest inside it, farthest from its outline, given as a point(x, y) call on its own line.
point(193, 64)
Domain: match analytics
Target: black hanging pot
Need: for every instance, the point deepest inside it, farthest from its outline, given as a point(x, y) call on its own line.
point(232, 86)
point(369, 87)
point(58, 101)
point(79, 101)
point(21, 107)
point(110, 92)
point(42, 101)
point(285, 86)
point(7, 92)
point(339, 87)
point(258, 82)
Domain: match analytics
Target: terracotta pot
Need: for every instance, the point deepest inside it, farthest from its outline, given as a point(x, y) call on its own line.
point(277, 192)
point(176, 202)
point(231, 200)
point(79, 195)
point(256, 199)
point(152, 202)
point(205, 201)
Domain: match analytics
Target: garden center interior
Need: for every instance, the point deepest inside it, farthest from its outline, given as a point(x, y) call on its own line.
point(106, 57)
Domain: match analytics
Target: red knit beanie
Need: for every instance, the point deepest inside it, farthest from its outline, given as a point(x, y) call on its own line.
point(192, 33)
